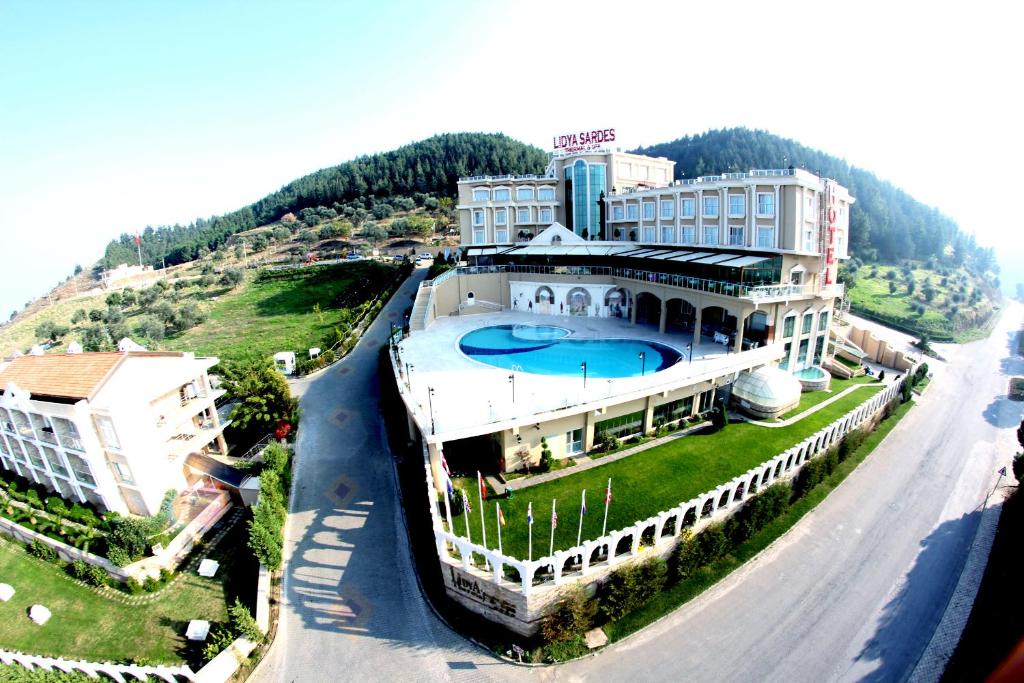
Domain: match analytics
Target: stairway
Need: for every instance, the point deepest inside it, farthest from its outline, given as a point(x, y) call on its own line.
point(417, 319)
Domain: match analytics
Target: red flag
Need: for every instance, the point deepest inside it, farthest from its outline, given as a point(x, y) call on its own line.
point(483, 488)
point(138, 240)
point(501, 517)
point(608, 493)
point(444, 464)
point(554, 516)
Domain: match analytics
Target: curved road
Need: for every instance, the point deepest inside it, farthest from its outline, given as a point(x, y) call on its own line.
point(853, 592)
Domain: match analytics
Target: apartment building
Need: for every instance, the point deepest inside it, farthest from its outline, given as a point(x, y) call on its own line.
point(112, 429)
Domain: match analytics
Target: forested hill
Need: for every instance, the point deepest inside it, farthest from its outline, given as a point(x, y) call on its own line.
point(886, 224)
point(433, 165)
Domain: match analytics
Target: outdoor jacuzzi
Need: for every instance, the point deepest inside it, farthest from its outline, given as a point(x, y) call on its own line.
point(813, 378)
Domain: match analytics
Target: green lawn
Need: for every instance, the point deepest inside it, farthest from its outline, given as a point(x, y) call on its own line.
point(810, 399)
point(271, 314)
point(89, 626)
point(644, 484)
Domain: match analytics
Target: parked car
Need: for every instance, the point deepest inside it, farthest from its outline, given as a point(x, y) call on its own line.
point(398, 258)
point(353, 257)
point(425, 256)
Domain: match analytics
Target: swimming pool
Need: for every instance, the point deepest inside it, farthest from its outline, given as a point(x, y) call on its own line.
point(813, 378)
point(543, 353)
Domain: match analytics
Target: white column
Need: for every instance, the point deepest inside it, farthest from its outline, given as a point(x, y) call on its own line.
point(751, 220)
point(778, 210)
point(699, 222)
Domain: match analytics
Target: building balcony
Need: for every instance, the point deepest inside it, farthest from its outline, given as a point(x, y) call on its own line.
point(193, 438)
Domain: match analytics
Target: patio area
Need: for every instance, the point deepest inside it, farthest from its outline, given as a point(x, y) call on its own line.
point(456, 396)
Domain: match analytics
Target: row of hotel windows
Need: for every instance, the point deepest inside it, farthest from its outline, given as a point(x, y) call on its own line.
point(523, 194)
point(688, 208)
point(56, 464)
point(544, 215)
point(789, 324)
point(735, 235)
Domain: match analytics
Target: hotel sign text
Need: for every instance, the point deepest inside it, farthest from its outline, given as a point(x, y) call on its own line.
point(583, 141)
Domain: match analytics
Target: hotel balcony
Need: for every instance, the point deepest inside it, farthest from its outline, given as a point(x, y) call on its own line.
point(193, 437)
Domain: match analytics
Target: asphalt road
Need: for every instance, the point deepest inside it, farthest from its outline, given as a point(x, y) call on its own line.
point(853, 592)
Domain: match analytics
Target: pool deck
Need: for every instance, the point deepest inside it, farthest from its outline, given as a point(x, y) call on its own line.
point(471, 398)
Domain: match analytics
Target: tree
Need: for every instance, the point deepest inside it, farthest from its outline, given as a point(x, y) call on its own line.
point(374, 232)
point(95, 315)
point(78, 316)
point(113, 299)
point(78, 268)
point(186, 317)
point(232, 277)
point(307, 237)
point(96, 338)
point(239, 251)
point(281, 233)
point(892, 286)
point(150, 328)
point(571, 618)
point(128, 297)
point(261, 392)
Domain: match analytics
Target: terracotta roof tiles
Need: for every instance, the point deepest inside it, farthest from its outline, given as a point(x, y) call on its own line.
point(64, 375)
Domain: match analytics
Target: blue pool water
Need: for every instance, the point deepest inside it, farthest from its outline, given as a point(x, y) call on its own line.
point(503, 346)
point(813, 372)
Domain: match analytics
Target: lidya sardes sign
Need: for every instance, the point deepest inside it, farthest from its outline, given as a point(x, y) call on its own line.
point(583, 141)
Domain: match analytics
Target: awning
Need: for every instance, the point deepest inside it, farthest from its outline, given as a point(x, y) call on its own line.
point(716, 258)
point(204, 464)
point(743, 261)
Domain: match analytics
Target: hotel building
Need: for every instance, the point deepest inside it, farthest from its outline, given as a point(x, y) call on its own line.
point(112, 429)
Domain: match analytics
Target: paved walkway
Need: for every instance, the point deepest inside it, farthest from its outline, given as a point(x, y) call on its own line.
point(809, 411)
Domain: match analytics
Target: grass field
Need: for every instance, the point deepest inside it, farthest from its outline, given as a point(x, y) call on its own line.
point(21, 336)
point(675, 595)
point(942, 315)
point(276, 314)
point(809, 399)
point(643, 484)
point(89, 626)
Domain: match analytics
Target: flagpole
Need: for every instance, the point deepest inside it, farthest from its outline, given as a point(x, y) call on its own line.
point(583, 510)
point(497, 515)
point(465, 510)
point(551, 548)
point(480, 494)
point(529, 557)
point(448, 506)
point(607, 499)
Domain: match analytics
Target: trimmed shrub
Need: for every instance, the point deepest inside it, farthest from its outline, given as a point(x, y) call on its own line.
point(242, 622)
point(96, 576)
point(119, 556)
point(79, 569)
point(630, 588)
point(571, 618)
point(42, 551)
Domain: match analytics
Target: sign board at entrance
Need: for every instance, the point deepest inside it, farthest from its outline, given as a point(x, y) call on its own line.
point(583, 140)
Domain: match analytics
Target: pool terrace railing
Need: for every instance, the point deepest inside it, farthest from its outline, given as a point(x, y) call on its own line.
point(593, 559)
point(733, 289)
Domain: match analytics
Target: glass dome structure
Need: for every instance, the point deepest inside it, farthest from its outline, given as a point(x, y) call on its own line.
point(766, 392)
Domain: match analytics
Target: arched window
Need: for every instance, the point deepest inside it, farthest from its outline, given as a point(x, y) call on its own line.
point(544, 295)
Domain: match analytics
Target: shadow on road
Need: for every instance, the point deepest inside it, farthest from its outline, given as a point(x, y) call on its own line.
point(911, 616)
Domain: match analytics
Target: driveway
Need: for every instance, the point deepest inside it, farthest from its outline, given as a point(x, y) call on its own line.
point(853, 592)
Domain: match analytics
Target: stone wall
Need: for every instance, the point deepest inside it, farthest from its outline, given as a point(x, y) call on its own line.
point(521, 604)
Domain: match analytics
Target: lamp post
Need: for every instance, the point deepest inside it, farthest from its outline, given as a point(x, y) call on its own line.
point(512, 381)
point(583, 367)
point(689, 348)
point(643, 363)
point(408, 377)
point(430, 403)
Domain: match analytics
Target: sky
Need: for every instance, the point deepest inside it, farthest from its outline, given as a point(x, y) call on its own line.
point(118, 115)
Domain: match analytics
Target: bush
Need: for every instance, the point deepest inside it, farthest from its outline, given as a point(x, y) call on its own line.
point(232, 277)
point(42, 551)
point(79, 570)
point(128, 534)
point(571, 618)
point(630, 588)
point(151, 585)
point(219, 639)
point(242, 622)
point(565, 650)
point(97, 576)
point(134, 587)
point(119, 556)
point(275, 457)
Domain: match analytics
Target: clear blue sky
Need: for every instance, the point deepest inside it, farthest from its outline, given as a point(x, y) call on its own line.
point(114, 116)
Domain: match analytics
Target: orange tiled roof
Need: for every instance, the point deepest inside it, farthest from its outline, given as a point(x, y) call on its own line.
point(63, 375)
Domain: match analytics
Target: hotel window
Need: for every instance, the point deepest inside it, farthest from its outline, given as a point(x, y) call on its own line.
point(710, 234)
point(478, 217)
point(574, 441)
point(805, 328)
point(737, 205)
point(822, 321)
point(765, 237)
point(765, 204)
point(648, 211)
point(546, 194)
point(819, 348)
point(545, 216)
point(801, 356)
point(524, 194)
point(787, 326)
point(687, 208)
point(122, 472)
point(809, 241)
point(501, 195)
point(500, 217)
point(666, 208)
point(711, 207)
point(522, 215)
point(736, 235)
point(107, 433)
point(478, 236)
point(667, 235)
point(481, 195)
point(689, 234)
point(617, 213)
point(501, 235)
point(784, 363)
point(648, 233)
point(809, 213)
point(631, 211)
